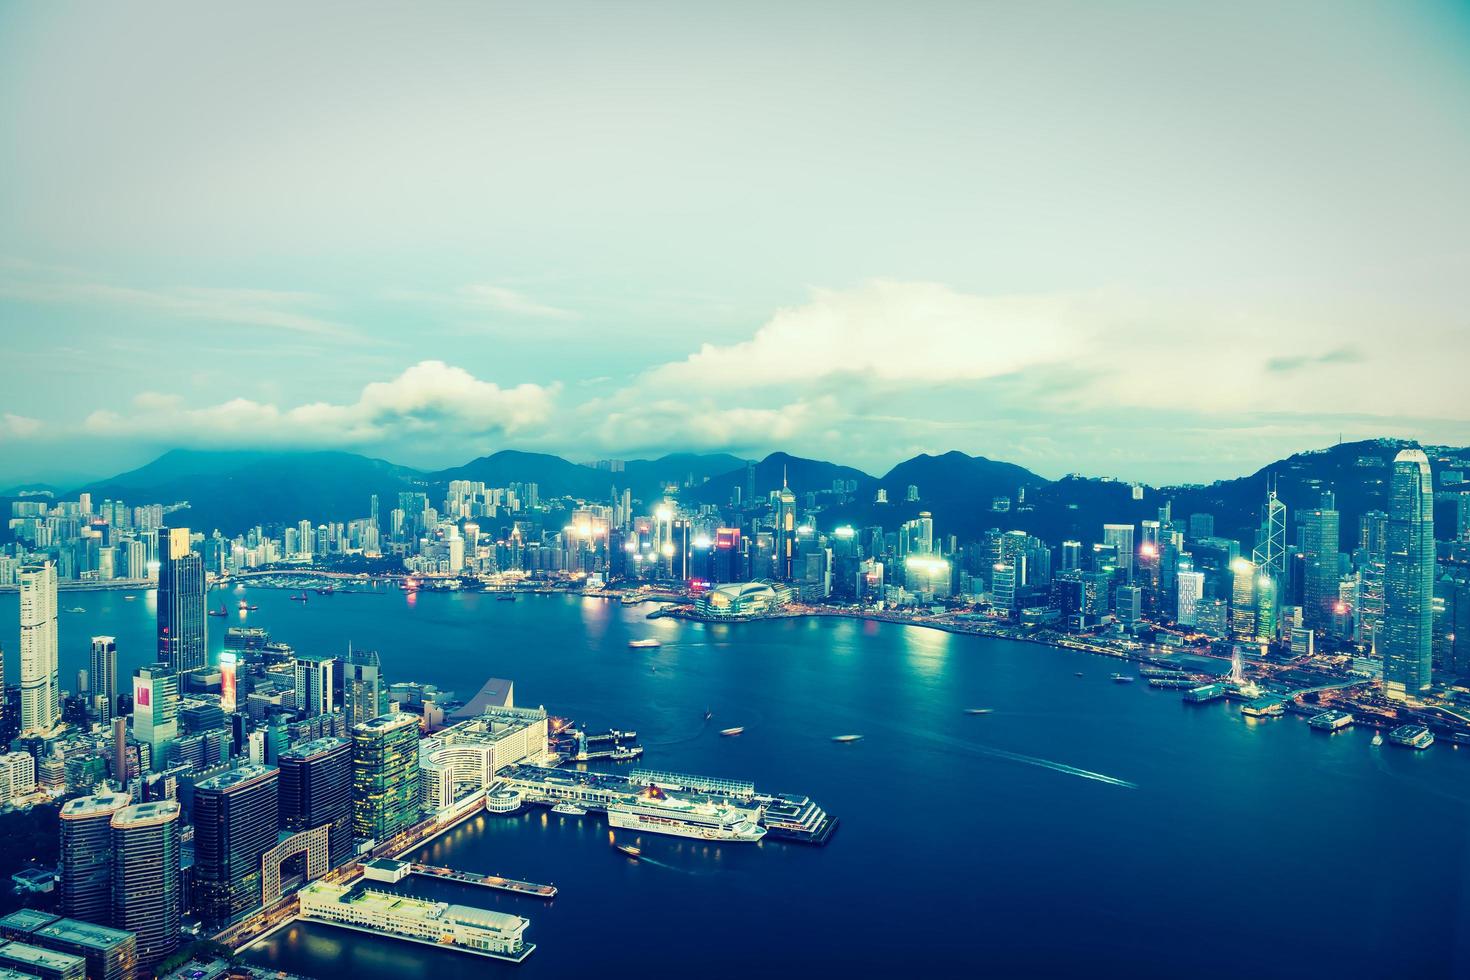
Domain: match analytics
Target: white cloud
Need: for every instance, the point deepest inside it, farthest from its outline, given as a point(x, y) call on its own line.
point(507, 300)
point(18, 426)
point(430, 399)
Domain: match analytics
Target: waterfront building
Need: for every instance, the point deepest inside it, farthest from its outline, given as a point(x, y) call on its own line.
point(181, 589)
point(156, 710)
point(742, 599)
point(385, 775)
point(1320, 548)
point(462, 927)
point(1408, 595)
point(145, 878)
point(86, 855)
point(465, 759)
point(40, 678)
point(316, 791)
point(235, 823)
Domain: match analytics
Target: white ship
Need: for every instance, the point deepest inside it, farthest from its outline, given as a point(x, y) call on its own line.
point(679, 818)
point(570, 809)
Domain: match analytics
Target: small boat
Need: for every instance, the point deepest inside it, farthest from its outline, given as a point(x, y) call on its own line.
point(727, 732)
point(629, 850)
point(221, 611)
point(570, 809)
point(1122, 679)
point(129, 598)
point(327, 591)
point(978, 711)
point(1077, 674)
point(76, 609)
point(708, 714)
point(299, 598)
point(844, 739)
point(506, 597)
point(644, 644)
point(1377, 738)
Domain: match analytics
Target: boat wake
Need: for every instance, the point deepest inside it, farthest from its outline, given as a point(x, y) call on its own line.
point(1062, 767)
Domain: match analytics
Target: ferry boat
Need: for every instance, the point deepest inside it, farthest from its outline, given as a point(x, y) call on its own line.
point(506, 597)
point(1331, 721)
point(570, 809)
point(847, 738)
point(644, 644)
point(1377, 738)
point(680, 818)
point(630, 850)
point(1122, 679)
point(221, 611)
point(727, 732)
point(978, 711)
point(1412, 736)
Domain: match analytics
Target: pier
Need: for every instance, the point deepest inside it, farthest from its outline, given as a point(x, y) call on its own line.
point(529, 889)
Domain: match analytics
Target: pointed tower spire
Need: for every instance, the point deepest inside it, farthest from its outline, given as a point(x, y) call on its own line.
point(783, 477)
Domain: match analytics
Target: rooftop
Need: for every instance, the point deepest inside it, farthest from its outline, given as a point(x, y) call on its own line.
point(85, 934)
point(28, 920)
point(45, 959)
point(141, 814)
point(92, 806)
point(247, 773)
point(316, 746)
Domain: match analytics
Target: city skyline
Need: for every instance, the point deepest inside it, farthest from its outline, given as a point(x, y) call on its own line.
point(962, 230)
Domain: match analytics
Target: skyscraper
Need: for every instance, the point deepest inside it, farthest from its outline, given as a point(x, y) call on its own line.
point(1270, 550)
point(385, 775)
point(156, 709)
point(316, 791)
point(1320, 544)
point(180, 602)
point(103, 675)
point(145, 878)
point(1120, 536)
point(235, 823)
point(785, 531)
point(1408, 595)
point(86, 855)
point(40, 680)
point(364, 695)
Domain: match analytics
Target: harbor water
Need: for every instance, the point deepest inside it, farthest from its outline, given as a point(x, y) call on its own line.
point(1081, 827)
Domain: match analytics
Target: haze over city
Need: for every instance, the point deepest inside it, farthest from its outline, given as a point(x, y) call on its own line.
point(1168, 245)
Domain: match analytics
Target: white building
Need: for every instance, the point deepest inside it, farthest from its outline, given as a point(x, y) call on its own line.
point(1191, 589)
point(40, 681)
point(465, 758)
point(17, 775)
point(473, 930)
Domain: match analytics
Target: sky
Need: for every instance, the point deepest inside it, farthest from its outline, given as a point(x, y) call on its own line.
point(1167, 242)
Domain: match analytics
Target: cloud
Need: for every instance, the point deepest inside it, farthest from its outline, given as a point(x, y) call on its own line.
point(510, 301)
point(18, 426)
point(275, 309)
point(1340, 355)
point(429, 400)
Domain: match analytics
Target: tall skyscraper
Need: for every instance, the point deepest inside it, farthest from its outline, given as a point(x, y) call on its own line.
point(1408, 595)
point(785, 531)
point(180, 602)
point(364, 695)
point(145, 878)
point(235, 822)
point(316, 791)
point(1270, 550)
point(86, 855)
point(40, 679)
point(1320, 544)
point(385, 775)
point(103, 675)
point(1120, 536)
point(318, 683)
point(156, 710)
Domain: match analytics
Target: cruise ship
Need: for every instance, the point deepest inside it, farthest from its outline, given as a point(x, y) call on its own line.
point(658, 814)
point(1412, 736)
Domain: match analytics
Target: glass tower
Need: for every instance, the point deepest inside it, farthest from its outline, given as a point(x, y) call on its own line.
point(145, 878)
point(180, 602)
point(1407, 639)
point(235, 823)
point(385, 776)
point(86, 856)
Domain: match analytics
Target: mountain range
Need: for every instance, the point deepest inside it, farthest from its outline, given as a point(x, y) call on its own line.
point(235, 490)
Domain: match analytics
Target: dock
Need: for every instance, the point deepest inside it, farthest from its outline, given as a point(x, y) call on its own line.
point(388, 870)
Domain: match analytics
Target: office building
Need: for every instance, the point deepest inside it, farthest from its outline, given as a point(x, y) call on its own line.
point(180, 602)
point(364, 695)
point(108, 954)
point(316, 791)
point(318, 683)
point(17, 775)
point(235, 823)
point(156, 710)
point(1408, 595)
point(1120, 538)
point(86, 855)
point(40, 678)
point(145, 878)
point(102, 677)
point(385, 775)
point(1320, 546)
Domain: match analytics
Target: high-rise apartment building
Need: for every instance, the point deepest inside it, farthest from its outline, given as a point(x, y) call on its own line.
point(40, 677)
